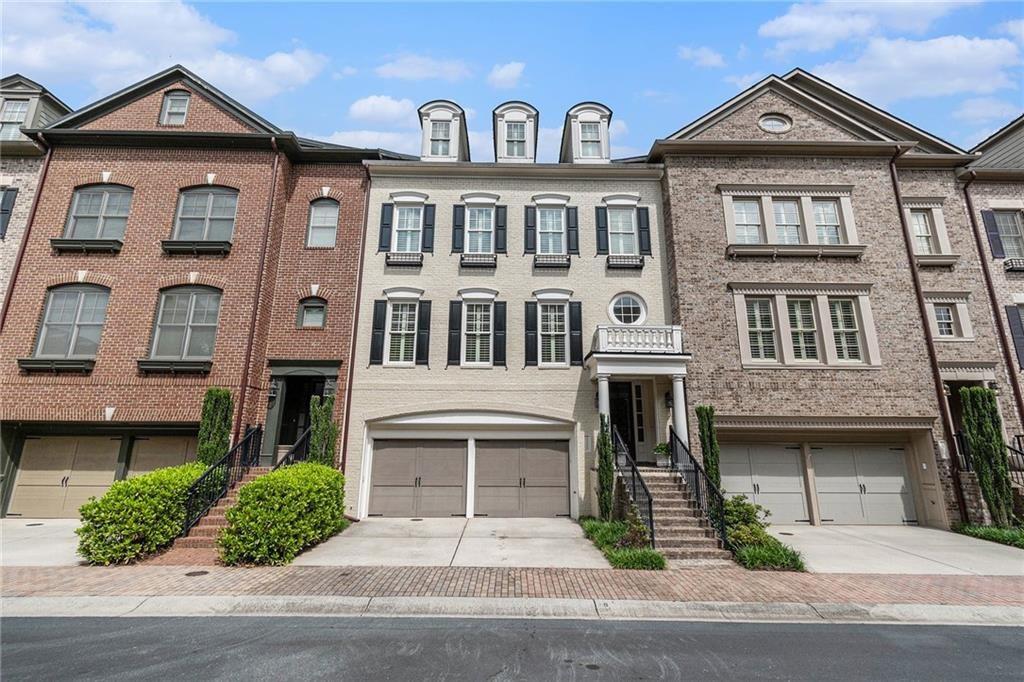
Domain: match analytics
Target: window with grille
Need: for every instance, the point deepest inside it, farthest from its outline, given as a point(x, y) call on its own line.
point(761, 329)
point(802, 328)
point(590, 140)
point(553, 334)
point(175, 108)
point(638, 408)
point(627, 309)
point(323, 223)
point(402, 333)
point(72, 322)
point(921, 224)
point(787, 221)
point(551, 231)
point(440, 138)
point(99, 213)
point(826, 221)
point(844, 328)
point(206, 215)
point(477, 334)
point(12, 118)
point(945, 320)
point(622, 231)
point(479, 229)
point(408, 229)
point(747, 216)
point(1011, 232)
point(515, 139)
point(186, 325)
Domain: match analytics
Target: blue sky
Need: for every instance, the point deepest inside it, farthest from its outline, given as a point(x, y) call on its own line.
point(355, 73)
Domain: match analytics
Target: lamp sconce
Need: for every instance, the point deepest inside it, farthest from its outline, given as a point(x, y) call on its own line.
point(669, 403)
point(272, 391)
point(994, 386)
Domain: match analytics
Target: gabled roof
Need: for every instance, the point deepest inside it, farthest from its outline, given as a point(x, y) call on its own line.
point(1003, 149)
point(15, 79)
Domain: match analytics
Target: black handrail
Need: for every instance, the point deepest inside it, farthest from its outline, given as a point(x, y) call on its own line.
point(1014, 456)
point(963, 452)
point(1015, 465)
point(218, 479)
point(299, 452)
point(708, 498)
point(634, 482)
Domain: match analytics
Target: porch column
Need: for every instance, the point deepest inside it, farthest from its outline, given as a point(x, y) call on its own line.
point(679, 409)
point(603, 401)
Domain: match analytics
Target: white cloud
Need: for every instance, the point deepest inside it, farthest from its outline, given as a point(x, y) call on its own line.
point(701, 56)
point(506, 75)
point(384, 109)
point(110, 45)
point(406, 142)
point(973, 138)
point(344, 72)
point(1013, 28)
point(979, 109)
point(421, 67)
point(890, 70)
point(617, 128)
point(744, 81)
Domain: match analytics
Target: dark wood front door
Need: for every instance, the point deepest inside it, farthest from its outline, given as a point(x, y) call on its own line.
point(295, 416)
point(620, 395)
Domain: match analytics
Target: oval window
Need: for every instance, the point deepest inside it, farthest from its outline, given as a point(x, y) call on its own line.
point(775, 123)
point(628, 309)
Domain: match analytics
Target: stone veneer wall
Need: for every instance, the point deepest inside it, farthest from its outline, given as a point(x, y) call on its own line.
point(21, 172)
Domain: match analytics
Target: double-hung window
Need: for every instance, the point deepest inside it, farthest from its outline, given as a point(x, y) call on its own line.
point(408, 229)
point(826, 221)
point(761, 329)
point(622, 231)
point(480, 229)
point(845, 329)
point(73, 322)
point(747, 214)
point(553, 335)
point(590, 140)
point(175, 109)
point(921, 223)
point(323, 224)
point(802, 328)
point(787, 220)
point(99, 213)
point(186, 325)
point(312, 313)
point(1011, 232)
point(440, 138)
point(206, 215)
point(515, 139)
point(551, 229)
point(478, 326)
point(945, 320)
point(401, 343)
point(12, 117)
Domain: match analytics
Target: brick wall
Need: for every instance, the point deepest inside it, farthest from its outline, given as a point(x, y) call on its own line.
point(144, 114)
point(21, 172)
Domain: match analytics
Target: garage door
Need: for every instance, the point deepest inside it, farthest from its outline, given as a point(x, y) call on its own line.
point(418, 478)
point(769, 475)
point(862, 484)
point(57, 474)
point(150, 453)
point(522, 478)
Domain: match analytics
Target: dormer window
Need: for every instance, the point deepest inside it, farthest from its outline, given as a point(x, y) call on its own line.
point(585, 134)
point(515, 132)
point(590, 140)
point(12, 117)
point(515, 139)
point(440, 138)
point(443, 132)
point(174, 109)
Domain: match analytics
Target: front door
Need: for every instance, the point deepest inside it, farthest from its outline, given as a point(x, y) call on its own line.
point(295, 415)
point(620, 398)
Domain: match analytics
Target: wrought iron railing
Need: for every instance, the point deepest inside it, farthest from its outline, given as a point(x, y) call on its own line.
point(218, 479)
point(963, 454)
point(1014, 456)
point(1015, 464)
point(634, 482)
point(298, 452)
point(708, 498)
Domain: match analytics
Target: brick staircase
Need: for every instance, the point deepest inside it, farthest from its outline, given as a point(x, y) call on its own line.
point(680, 531)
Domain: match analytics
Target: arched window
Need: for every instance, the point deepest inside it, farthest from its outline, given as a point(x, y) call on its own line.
point(186, 323)
point(73, 321)
point(99, 212)
point(323, 224)
point(175, 108)
point(312, 313)
point(206, 214)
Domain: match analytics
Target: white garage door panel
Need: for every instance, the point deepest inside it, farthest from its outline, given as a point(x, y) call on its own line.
point(734, 468)
point(862, 484)
point(769, 475)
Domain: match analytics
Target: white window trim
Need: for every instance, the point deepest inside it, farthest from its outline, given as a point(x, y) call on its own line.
point(635, 232)
point(564, 303)
point(639, 299)
point(621, 200)
point(565, 229)
point(387, 331)
point(816, 314)
point(403, 294)
point(478, 198)
point(394, 226)
point(489, 302)
point(165, 106)
point(478, 294)
point(806, 195)
point(940, 236)
point(552, 295)
point(310, 226)
point(741, 323)
point(490, 230)
point(958, 300)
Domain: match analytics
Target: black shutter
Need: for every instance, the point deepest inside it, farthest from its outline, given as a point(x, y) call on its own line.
point(455, 333)
point(423, 333)
point(572, 231)
point(380, 316)
point(530, 235)
point(387, 214)
point(1016, 331)
point(458, 228)
point(498, 353)
point(643, 224)
point(994, 240)
point(6, 207)
point(531, 333)
point(602, 230)
point(428, 229)
point(575, 333)
point(500, 229)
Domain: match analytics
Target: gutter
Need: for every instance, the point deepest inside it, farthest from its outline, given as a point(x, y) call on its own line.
point(28, 230)
point(1004, 337)
point(256, 293)
point(933, 359)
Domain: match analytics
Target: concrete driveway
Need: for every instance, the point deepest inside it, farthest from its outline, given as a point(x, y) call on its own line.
point(898, 549)
point(39, 542)
point(516, 543)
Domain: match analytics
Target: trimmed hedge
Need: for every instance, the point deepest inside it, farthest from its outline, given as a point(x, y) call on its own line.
point(622, 545)
point(280, 514)
point(1014, 537)
point(137, 516)
point(746, 526)
point(215, 426)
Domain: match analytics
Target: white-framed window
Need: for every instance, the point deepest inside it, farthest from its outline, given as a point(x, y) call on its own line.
point(775, 123)
point(747, 213)
point(554, 335)
point(312, 313)
point(12, 118)
point(99, 212)
point(802, 328)
point(477, 325)
point(628, 309)
point(787, 220)
point(408, 229)
point(945, 319)
point(826, 221)
point(590, 140)
point(323, 224)
point(622, 239)
point(186, 327)
point(638, 412)
point(761, 329)
point(551, 230)
point(515, 139)
point(174, 109)
point(1011, 232)
point(845, 328)
point(72, 322)
point(479, 229)
point(921, 224)
point(206, 214)
point(401, 341)
point(440, 138)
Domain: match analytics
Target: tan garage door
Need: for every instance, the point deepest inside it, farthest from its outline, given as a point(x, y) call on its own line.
point(418, 478)
point(150, 453)
point(863, 484)
point(57, 474)
point(769, 475)
point(522, 478)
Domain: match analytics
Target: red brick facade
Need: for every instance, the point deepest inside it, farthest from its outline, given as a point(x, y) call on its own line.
point(144, 114)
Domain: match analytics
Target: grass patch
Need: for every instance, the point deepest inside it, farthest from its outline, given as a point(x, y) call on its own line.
point(770, 555)
point(752, 546)
point(619, 545)
point(1014, 537)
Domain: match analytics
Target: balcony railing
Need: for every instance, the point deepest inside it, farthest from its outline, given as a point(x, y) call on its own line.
point(664, 340)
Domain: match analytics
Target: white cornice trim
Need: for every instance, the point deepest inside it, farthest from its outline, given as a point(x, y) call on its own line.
point(403, 293)
point(922, 202)
point(825, 423)
point(786, 190)
point(480, 198)
point(551, 199)
point(801, 288)
point(478, 294)
point(947, 296)
point(552, 294)
point(625, 199)
point(409, 197)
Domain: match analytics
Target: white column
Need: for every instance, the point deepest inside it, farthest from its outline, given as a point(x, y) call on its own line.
point(679, 409)
point(470, 477)
point(603, 401)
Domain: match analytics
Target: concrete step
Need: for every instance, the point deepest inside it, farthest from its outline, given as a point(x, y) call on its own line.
point(678, 518)
point(709, 553)
point(685, 543)
point(680, 531)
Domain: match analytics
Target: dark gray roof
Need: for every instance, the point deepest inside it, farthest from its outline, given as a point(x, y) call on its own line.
point(7, 81)
point(1003, 148)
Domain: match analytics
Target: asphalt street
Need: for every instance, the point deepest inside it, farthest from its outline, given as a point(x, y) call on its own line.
point(262, 648)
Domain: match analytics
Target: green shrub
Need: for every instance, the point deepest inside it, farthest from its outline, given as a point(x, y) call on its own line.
point(214, 426)
point(137, 516)
point(323, 434)
point(623, 545)
point(1014, 537)
point(709, 443)
point(605, 471)
point(983, 430)
point(746, 526)
point(280, 514)
point(645, 559)
point(770, 555)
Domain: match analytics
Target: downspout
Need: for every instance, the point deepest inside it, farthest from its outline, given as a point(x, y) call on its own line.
point(1011, 364)
point(355, 324)
point(922, 306)
point(256, 293)
point(28, 229)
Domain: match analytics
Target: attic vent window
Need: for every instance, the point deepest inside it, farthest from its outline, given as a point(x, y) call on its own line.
point(174, 109)
point(775, 123)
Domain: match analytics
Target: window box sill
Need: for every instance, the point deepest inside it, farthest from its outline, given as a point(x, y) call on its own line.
point(551, 261)
point(194, 247)
point(175, 366)
point(625, 262)
point(55, 365)
point(774, 251)
point(838, 366)
point(1013, 265)
point(953, 339)
point(86, 245)
point(406, 260)
point(478, 260)
point(936, 260)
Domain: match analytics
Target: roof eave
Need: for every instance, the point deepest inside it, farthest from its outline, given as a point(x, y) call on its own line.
point(663, 147)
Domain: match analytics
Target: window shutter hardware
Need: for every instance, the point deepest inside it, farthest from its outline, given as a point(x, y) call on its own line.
point(572, 230)
point(427, 245)
point(423, 333)
point(458, 228)
point(387, 214)
point(643, 223)
point(530, 233)
point(530, 328)
point(380, 314)
point(602, 230)
point(454, 333)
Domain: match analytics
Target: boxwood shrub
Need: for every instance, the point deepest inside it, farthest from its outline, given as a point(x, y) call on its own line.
point(137, 516)
point(622, 545)
point(280, 514)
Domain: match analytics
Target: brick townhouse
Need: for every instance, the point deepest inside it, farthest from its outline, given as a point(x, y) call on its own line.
point(180, 242)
